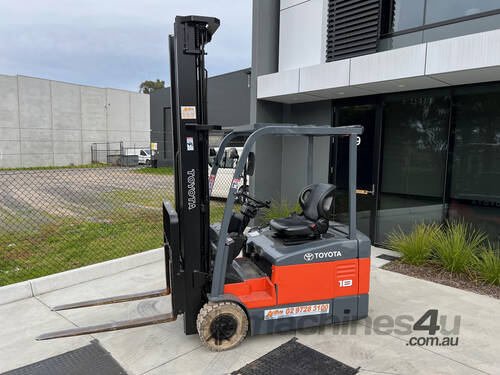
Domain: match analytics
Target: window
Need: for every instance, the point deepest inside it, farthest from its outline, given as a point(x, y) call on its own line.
point(407, 14)
point(442, 10)
point(475, 176)
point(415, 138)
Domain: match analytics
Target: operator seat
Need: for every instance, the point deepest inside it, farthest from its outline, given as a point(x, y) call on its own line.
point(316, 201)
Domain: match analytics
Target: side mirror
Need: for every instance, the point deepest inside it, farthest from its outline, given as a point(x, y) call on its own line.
point(212, 152)
point(250, 165)
point(233, 154)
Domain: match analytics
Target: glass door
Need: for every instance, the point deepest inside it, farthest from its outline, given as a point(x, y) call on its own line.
point(365, 115)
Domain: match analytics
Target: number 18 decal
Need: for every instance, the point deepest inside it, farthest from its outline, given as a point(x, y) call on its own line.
point(345, 283)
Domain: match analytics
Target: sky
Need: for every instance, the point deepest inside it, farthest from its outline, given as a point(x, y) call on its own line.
point(114, 43)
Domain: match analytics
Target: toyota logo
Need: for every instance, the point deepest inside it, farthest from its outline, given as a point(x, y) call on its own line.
point(308, 256)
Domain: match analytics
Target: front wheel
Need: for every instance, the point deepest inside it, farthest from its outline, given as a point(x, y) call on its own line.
point(222, 325)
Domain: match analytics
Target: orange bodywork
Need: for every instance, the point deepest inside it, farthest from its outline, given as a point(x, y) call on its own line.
point(305, 282)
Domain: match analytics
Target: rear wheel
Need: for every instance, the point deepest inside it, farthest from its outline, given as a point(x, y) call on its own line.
point(222, 325)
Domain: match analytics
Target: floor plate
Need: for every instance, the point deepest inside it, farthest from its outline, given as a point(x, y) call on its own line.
point(91, 359)
point(293, 358)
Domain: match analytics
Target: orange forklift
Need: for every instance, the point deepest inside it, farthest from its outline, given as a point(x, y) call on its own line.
point(228, 280)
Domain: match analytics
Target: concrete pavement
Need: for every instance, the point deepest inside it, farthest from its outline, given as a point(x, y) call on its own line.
point(377, 344)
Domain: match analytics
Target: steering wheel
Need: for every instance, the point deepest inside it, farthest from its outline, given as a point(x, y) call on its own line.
point(266, 204)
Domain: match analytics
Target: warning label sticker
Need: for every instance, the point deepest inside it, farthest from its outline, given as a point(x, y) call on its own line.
point(188, 113)
point(189, 143)
point(211, 183)
point(294, 311)
point(236, 183)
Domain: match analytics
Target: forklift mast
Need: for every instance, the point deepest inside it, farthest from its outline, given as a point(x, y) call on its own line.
point(188, 275)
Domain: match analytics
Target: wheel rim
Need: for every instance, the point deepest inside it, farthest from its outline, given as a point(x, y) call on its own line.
point(223, 327)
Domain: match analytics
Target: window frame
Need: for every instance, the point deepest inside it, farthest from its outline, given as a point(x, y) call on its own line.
point(388, 27)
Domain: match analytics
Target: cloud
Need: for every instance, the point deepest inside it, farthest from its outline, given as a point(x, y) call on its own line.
point(113, 43)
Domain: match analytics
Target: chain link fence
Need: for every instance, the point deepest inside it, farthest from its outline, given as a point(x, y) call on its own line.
point(56, 219)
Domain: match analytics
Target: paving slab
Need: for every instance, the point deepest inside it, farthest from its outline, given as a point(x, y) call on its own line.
point(164, 349)
point(20, 323)
point(477, 315)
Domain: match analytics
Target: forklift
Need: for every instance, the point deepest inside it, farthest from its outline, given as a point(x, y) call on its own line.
point(229, 280)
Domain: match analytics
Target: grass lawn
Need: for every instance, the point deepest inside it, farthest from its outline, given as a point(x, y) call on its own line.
point(134, 225)
point(160, 171)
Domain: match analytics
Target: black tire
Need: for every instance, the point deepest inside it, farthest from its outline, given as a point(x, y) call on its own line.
point(221, 325)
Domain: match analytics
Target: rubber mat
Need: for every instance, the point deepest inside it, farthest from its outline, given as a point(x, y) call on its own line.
point(293, 358)
point(88, 360)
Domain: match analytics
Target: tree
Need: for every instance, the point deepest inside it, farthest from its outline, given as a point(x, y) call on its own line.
point(147, 87)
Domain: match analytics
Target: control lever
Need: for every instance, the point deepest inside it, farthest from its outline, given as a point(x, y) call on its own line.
point(266, 204)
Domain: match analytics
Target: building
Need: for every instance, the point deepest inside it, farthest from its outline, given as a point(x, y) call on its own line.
point(228, 105)
point(49, 123)
point(421, 76)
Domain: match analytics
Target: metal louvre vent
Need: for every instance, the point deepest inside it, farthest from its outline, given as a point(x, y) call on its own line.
point(353, 28)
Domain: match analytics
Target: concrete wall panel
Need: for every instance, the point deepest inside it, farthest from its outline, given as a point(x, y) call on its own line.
point(37, 147)
point(10, 161)
point(118, 110)
point(68, 148)
point(66, 111)
point(325, 76)
point(55, 123)
point(37, 160)
point(9, 109)
point(44, 135)
point(142, 138)
point(139, 112)
point(9, 147)
point(301, 35)
point(93, 108)
point(9, 134)
point(289, 3)
point(68, 159)
point(34, 103)
point(94, 136)
point(281, 83)
point(388, 65)
point(67, 135)
point(86, 152)
point(118, 136)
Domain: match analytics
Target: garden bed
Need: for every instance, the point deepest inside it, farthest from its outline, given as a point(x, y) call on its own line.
point(438, 275)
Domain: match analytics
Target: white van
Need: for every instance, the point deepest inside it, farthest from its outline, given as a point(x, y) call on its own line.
point(225, 173)
point(143, 154)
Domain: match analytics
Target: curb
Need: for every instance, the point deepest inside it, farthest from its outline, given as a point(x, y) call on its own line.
point(30, 288)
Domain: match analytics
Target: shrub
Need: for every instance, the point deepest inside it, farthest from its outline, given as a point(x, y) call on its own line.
point(488, 265)
point(455, 246)
point(415, 247)
point(278, 210)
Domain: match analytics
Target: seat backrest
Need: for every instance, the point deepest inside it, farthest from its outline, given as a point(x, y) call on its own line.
point(316, 201)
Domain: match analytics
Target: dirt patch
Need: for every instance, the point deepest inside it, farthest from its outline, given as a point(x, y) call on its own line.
point(438, 275)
